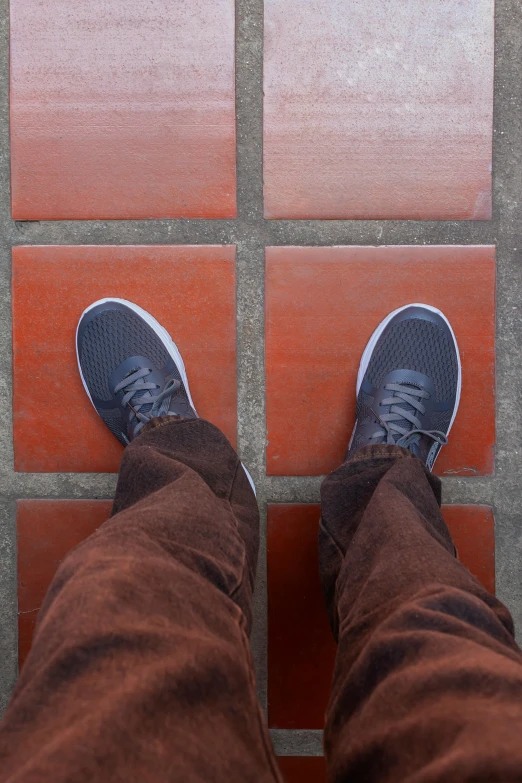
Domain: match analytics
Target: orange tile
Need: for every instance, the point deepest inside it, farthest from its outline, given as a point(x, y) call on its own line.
point(301, 650)
point(322, 305)
point(46, 531)
point(190, 290)
point(303, 769)
point(378, 110)
point(122, 110)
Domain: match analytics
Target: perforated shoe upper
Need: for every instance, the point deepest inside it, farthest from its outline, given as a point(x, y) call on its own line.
point(129, 369)
point(410, 387)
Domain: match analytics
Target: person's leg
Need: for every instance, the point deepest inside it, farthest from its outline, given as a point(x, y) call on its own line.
point(140, 668)
point(428, 677)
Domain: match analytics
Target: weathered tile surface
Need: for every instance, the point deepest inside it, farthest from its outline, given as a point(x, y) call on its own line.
point(122, 110)
point(323, 304)
point(190, 290)
point(378, 109)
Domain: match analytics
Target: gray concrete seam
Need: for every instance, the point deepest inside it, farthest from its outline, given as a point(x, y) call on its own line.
point(250, 232)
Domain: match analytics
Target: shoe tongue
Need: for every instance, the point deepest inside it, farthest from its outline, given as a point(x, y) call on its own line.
point(145, 407)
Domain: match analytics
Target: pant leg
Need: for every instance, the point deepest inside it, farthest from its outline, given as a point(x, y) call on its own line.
point(140, 668)
point(428, 678)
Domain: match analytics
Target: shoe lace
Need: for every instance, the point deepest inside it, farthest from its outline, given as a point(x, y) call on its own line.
point(145, 407)
point(401, 426)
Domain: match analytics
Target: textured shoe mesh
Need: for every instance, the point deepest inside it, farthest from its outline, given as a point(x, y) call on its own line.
point(114, 421)
point(108, 340)
point(363, 413)
point(411, 345)
point(440, 420)
point(358, 441)
point(417, 345)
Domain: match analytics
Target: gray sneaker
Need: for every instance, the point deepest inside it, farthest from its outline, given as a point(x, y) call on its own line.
point(131, 369)
point(409, 382)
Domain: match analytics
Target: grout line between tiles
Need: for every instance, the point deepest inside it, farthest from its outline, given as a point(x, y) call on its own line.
point(250, 295)
point(297, 742)
point(250, 232)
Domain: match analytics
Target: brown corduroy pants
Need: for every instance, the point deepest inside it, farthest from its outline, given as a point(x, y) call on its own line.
point(141, 671)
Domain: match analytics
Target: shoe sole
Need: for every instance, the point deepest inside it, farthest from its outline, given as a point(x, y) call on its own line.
point(167, 341)
point(372, 342)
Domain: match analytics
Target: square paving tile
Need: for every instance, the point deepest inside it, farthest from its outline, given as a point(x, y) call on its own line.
point(303, 769)
point(122, 110)
point(378, 109)
point(46, 531)
point(301, 649)
point(323, 304)
point(190, 290)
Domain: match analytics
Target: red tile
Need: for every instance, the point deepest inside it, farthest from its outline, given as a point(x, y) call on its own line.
point(301, 650)
point(303, 769)
point(378, 110)
point(323, 304)
point(47, 530)
point(190, 290)
point(122, 110)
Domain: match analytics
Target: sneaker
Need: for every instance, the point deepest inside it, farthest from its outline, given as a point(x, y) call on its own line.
point(409, 382)
point(131, 369)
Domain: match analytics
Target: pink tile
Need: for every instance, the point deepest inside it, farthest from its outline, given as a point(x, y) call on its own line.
point(122, 110)
point(378, 109)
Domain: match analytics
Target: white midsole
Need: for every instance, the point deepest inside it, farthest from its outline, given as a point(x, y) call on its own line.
point(372, 342)
point(165, 338)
